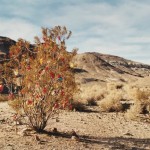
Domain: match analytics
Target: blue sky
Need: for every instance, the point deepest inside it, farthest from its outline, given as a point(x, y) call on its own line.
point(117, 27)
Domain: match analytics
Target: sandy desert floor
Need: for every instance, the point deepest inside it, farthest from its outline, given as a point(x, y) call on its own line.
point(96, 131)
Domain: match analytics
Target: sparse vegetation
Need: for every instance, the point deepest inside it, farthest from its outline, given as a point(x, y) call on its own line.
point(114, 85)
point(47, 81)
point(110, 96)
point(134, 111)
point(112, 102)
point(141, 99)
point(91, 91)
point(135, 99)
point(118, 97)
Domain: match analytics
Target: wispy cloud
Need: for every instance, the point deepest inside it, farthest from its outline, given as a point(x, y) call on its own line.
point(119, 27)
point(18, 28)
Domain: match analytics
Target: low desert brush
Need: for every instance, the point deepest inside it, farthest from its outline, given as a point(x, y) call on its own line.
point(142, 96)
point(114, 85)
point(48, 83)
point(92, 91)
point(112, 102)
point(134, 111)
point(141, 99)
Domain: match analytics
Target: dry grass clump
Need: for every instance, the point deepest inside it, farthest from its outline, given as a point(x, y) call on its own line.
point(108, 96)
point(142, 95)
point(91, 92)
point(134, 111)
point(141, 99)
point(112, 102)
point(114, 85)
point(118, 96)
point(3, 98)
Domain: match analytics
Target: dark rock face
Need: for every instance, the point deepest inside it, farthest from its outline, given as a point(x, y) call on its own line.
point(5, 44)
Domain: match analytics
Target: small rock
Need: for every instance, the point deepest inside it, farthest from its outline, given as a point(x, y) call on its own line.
point(54, 137)
point(128, 134)
point(2, 121)
point(24, 131)
point(55, 130)
point(75, 138)
point(57, 120)
point(74, 133)
point(36, 137)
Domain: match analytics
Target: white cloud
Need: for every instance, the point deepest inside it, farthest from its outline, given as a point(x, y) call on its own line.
point(17, 28)
point(117, 27)
point(138, 39)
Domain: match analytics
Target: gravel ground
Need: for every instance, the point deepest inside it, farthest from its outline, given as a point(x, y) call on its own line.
point(95, 131)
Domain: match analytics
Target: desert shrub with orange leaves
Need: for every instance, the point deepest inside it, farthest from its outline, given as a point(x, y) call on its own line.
point(43, 76)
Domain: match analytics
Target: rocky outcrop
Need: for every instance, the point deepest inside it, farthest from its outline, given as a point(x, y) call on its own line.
point(5, 44)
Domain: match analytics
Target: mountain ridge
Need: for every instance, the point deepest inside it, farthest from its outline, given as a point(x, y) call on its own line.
point(5, 44)
point(107, 67)
point(96, 65)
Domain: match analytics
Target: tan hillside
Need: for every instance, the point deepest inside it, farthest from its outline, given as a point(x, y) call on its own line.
point(102, 67)
point(95, 72)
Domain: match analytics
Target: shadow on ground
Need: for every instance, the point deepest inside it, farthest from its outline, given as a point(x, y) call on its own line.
point(115, 143)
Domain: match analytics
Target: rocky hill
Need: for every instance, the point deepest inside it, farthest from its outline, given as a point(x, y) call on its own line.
point(93, 66)
point(5, 44)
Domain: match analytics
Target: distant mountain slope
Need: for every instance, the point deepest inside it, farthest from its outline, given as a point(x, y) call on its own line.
point(93, 66)
point(108, 67)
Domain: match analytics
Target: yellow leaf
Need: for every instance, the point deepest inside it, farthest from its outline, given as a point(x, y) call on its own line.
point(41, 61)
point(71, 65)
